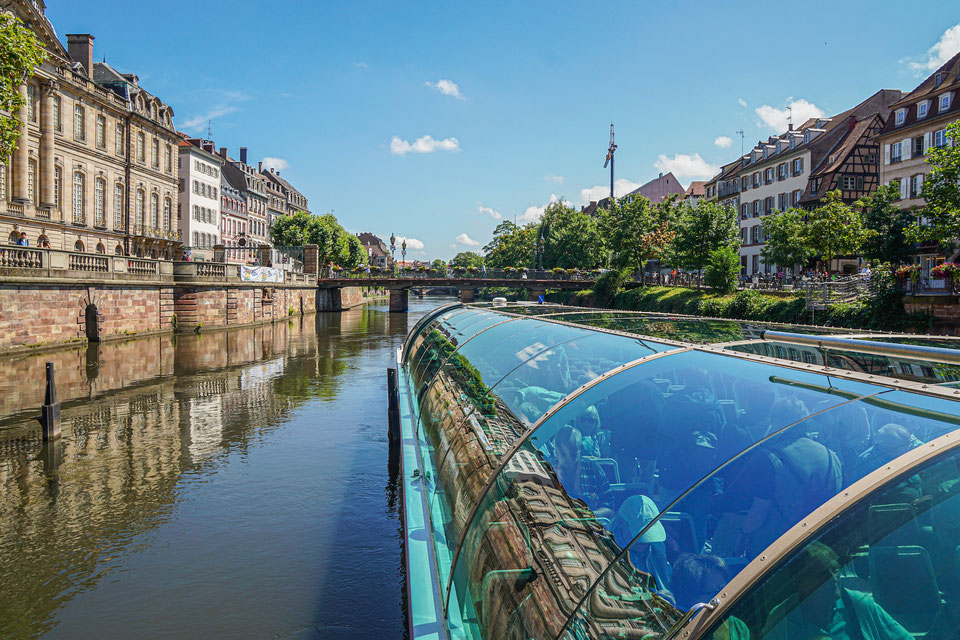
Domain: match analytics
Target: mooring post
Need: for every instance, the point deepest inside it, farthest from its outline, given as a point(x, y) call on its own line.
point(393, 407)
point(49, 417)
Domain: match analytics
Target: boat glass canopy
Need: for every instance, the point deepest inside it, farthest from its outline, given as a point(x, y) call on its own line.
point(590, 480)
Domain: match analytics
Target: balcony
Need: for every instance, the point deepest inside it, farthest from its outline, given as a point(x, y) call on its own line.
point(147, 231)
point(727, 189)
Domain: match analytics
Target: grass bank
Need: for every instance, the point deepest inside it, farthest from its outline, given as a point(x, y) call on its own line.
point(884, 312)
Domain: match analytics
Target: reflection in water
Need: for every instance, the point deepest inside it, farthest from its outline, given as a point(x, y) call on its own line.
point(230, 484)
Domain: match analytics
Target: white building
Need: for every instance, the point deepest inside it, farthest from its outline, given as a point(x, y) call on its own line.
point(199, 216)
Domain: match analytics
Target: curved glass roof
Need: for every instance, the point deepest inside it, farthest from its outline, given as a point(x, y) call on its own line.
point(578, 464)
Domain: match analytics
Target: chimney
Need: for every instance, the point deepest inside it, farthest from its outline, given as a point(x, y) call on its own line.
point(80, 49)
point(659, 176)
point(208, 146)
point(243, 155)
point(851, 123)
point(223, 152)
point(260, 167)
point(789, 126)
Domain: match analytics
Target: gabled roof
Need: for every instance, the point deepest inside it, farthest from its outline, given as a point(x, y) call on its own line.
point(833, 159)
point(695, 189)
point(929, 90)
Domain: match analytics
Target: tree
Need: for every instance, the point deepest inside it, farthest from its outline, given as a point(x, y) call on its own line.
point(701, 230)
point(467, 259)
point(888, 224)
point(293, 231)
point(511, 245)
point(335, 245)
point(439, 266)
point(571, 239)
point(20, 54)
point(835, 229)
point(941, 191)
point(354, 256)
point(723, 269)
point(623, 225)
point(787, 243)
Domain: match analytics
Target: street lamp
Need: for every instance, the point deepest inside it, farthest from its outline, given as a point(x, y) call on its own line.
point(393, 248)
point(403, 250)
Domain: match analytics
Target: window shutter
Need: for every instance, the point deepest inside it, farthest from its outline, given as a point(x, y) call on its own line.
point(886, 154)
point(859, 183)
point(904, 188)
point(927, 140)
point(905, 149)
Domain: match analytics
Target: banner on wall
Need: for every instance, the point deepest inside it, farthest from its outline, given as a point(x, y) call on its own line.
point(260, 274)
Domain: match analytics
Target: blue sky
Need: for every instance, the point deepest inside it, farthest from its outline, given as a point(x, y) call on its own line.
point(511, 102)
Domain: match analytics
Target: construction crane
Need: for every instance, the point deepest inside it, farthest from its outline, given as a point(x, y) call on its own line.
point(609, 161)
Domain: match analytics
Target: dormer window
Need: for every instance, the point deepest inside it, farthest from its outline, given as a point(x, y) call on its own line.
point(944, 102)
point(922, 108)
point(937, 80)
point(900, 116)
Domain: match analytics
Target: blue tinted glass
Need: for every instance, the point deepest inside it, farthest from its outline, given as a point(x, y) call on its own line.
point(885, 568)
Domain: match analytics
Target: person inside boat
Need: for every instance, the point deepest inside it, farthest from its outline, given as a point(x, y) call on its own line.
point(583, 479)
point(648, 553)
point(821, 609)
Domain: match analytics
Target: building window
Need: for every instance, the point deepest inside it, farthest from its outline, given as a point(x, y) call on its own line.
point(120, 140)
point(156, 153)
point(940, 138)
point(901, 115)
point(755, 234)
point(79, 215)
point(31, 105)
point(32, 182)
point(944, 102)
point(153, 112)
point(118, 206)
point(795, 198)
point(922, 109)
point(744, 183)
point(798, 166)
point(140, 147)
point(168, 159)
point(918, 146)
point(916, 184)
point(768, 205)
point(896, 152)
point(782, 171)
point(57, 178)
point(154, 211)
point(57, 123)
point(78, 125)
point(782, 201)
point(769, 175)
point(138, 220)
point(851, 183)
point(756, 208)
point(756, 179)
point(99, 211)
point(166, 214)
point(101, 132)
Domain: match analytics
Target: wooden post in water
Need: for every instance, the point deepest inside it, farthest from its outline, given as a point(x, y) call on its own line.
point(393, 407)
point(49, 417)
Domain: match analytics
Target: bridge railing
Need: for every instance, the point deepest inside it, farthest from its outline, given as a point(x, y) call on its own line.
point(479, 274)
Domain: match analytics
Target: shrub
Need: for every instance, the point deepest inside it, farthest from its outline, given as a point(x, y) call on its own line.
point(723, 270)
point(945, 270)
point(607, 287)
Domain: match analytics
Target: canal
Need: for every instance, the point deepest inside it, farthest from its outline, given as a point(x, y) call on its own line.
point(233, 484)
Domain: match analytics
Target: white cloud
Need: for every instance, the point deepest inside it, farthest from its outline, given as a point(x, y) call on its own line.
point(776, 119)
point(621, 187)
point(447, 88)
point(453, 246)
point(686, 166)
point(946, 47)
point(742, 102)
point(424, 144)
point(533, 213)
point(490, 212)
point(723, 142)
point(277, 164)
point(361, 64)
point(412, 243)
point(553, 179)
point(467, 240)
point(223, 103)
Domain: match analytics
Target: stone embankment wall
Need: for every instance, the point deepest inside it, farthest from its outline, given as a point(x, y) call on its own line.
point(35, 315)
point(944, 309)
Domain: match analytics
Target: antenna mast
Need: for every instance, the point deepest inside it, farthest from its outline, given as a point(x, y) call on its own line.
point(740, 131)
point(609, 161)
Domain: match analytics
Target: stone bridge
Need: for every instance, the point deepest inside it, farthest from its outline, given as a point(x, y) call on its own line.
point(536, 283)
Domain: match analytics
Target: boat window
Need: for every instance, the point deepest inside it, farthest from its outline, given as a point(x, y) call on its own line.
point(761, 493)
point(605, 464)
point(885, 569)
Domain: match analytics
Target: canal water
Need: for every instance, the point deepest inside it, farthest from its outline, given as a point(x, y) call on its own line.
point(233, 484)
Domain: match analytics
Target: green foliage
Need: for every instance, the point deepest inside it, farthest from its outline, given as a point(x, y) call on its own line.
point(20, 53)
point(636, 231)
point(511, 245)
point(608, 286)
point(888, 224)
point(335, 244)
point(723, 269)
point(941, 191)
point(835, 229)
point(570, 238)
point(439, 266)
point(787, 244)
point(466, 259)
point(700, 231)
